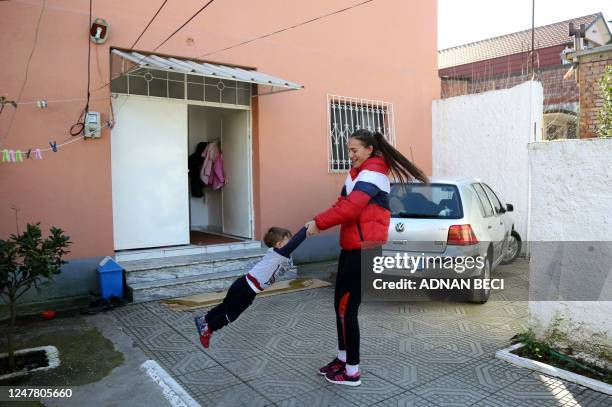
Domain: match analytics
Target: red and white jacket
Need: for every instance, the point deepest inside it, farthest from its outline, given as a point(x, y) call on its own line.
point(362, 210)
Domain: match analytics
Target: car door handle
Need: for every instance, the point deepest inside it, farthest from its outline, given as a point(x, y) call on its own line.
point(489, 227)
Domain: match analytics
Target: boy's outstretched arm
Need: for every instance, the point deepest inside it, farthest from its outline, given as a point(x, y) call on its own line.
point(295, 241)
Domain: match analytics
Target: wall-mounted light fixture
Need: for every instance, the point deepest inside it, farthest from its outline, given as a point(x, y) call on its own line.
point(98, 33)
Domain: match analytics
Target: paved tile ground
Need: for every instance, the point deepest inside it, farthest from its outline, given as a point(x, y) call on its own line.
point(413, 353)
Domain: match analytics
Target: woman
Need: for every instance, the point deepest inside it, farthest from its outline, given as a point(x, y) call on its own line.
point(363, 213)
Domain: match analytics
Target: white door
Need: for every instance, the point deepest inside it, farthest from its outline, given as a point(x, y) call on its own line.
point(149, 173)
point(236, 161)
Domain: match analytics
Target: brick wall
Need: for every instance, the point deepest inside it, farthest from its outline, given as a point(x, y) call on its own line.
point(590, 71)
point(556, 89)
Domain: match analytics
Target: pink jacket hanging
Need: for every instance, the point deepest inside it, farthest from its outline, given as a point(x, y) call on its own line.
point(218, 179)
point(212, 169)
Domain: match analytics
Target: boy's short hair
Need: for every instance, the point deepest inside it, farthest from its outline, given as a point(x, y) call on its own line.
point(275, 235)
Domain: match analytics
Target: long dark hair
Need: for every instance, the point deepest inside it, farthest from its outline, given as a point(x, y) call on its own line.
point(401, 167)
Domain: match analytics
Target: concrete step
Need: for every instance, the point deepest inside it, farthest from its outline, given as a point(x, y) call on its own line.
point(142, 271)
point(178, 276)
point(186, 250)
point(191, 285)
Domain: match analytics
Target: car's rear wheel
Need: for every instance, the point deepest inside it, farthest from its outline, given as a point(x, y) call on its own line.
point(513, 250)
point(481, 295)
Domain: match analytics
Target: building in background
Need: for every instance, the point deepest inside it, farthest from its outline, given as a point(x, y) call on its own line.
point(505, 61)
point(284, 155)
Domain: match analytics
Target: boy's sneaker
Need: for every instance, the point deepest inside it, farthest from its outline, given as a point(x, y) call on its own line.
point(332, 367)
point(340, 377)
point(203, 330)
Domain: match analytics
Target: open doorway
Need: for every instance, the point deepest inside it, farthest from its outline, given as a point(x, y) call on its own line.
point(220, 211)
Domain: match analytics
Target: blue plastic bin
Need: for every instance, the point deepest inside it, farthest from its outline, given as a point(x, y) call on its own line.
point(110, 278)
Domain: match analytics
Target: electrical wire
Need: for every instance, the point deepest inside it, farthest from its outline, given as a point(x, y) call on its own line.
point(66, 142)
point(25, 80)
point(79, 127)
point(254, 39)
point(186, 22)
point(287, 28)
point(33, 102)
point(145, 29)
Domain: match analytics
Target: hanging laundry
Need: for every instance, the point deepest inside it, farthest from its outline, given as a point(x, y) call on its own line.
point(195, 162)
point(218, 179)
point(212, 169)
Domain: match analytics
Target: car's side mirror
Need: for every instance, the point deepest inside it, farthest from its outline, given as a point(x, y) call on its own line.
point(509, 207)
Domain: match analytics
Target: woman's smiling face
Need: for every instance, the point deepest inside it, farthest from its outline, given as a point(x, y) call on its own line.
point(358, 153)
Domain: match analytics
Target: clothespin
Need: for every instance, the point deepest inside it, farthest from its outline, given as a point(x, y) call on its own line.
point(5, 156)
point(37, 154)
point(11, 156)
point(28, 153)
point(53, 145)
point(18, 156)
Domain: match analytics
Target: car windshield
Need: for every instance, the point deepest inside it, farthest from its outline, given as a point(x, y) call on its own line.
point(433, 201)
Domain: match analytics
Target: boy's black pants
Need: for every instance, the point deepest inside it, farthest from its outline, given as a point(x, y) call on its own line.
point(239, 297)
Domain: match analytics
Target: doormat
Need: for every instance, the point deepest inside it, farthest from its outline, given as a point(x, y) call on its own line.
point(214, 298)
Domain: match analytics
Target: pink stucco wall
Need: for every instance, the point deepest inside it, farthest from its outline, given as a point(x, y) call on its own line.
point(383, 50)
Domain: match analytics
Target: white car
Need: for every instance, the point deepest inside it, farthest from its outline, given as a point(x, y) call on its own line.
point(450, 218)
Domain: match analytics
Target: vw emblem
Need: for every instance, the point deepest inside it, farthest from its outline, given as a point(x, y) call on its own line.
point(399, 227)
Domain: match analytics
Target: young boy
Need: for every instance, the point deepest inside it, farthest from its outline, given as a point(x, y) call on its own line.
point(275, 263)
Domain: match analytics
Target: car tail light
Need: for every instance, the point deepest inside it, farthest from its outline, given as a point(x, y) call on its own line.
point(461, 235)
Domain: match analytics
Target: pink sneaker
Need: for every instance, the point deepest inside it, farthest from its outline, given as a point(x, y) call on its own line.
point(332, 366)
point(203, 331)
point(340, 377)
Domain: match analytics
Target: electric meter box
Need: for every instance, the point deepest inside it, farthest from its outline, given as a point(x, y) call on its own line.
point(93, 126)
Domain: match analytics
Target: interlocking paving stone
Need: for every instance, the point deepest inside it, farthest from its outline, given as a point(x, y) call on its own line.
point(135, 315)
point(407, 399)
point(450, 391)
point(254, 367)
point(289, 346)
point(212, 379)
point(321, 397)
point(372, 390)
point(489, 375)
point(407, 373)
point(285, 383)
point(537, 389)
point(240, 395)
point(178, 363)
point(423, 353)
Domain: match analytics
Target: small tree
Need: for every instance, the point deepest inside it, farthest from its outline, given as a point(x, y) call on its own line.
point(26, 260)
point(604, 118)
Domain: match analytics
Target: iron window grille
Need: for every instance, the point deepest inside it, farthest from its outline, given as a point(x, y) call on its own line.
point(347, 115)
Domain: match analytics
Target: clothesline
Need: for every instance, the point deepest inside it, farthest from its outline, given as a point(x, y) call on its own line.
point(17, 155)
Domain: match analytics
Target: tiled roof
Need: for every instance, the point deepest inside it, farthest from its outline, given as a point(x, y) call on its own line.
point(545, 36)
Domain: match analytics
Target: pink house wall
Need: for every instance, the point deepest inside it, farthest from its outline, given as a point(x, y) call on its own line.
point(367, 52)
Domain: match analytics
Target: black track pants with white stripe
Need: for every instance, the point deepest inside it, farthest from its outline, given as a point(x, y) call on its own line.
point(239, 297)
point(347, 298)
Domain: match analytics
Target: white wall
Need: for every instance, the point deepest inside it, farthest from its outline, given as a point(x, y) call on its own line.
point(570, 199)
point(485, 136)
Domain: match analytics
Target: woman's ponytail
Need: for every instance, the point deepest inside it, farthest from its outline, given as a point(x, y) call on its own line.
point(401, 168)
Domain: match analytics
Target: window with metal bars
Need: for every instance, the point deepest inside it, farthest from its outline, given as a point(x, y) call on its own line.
point(347, 115)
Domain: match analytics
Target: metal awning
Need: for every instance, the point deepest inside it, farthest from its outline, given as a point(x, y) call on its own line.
point(205, 69)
